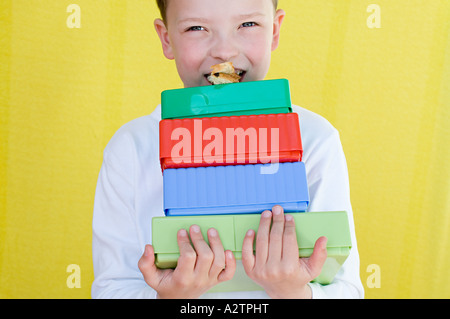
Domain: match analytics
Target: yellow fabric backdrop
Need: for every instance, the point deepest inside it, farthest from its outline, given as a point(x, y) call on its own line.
point(65, 91)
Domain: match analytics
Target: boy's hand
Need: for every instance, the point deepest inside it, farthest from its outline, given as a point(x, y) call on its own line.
point(199, 268)
point(276, 266)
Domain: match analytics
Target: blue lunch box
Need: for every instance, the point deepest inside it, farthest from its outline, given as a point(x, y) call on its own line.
point(240, 189)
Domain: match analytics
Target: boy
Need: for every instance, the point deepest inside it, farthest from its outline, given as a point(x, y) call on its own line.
point(198, 34)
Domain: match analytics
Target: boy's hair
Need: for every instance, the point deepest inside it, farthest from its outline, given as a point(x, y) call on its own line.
point(162, 5)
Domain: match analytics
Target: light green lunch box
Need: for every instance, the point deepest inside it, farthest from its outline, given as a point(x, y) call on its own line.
point(232, 229)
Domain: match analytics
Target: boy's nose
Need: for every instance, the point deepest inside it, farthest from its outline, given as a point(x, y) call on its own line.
point(224, 49)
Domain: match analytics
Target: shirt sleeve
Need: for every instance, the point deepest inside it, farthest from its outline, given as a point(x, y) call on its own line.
point(116, 242)
point(328, 182)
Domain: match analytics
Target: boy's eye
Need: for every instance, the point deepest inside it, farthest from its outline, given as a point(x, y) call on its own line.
point(196, 28)
point(248, 24)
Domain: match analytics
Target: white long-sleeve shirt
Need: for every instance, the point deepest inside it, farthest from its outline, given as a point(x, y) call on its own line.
point(130, 193)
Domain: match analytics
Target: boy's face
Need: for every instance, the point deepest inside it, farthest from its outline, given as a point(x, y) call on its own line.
point(202, 33)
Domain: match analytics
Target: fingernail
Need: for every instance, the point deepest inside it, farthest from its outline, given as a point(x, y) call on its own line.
point(195, 229)
point(266, 214)
point(146, 251)
point(250, 232)
point(276, 210)
point(213, 232)
point(183, 232)
point(289, 218)
point(325, 244)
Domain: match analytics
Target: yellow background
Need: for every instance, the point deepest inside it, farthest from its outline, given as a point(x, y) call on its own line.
point(64, 92)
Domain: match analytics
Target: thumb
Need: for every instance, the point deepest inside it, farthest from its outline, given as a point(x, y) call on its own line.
point(318, 257)
point(147, 266)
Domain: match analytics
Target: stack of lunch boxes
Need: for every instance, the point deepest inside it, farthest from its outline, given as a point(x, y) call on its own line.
point(228, 153)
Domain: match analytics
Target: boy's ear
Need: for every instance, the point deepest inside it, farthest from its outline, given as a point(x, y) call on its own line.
point(277, 21)
point(164, 37)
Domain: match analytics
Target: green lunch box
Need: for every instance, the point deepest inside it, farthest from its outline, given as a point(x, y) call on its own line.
point(246, 98)
point(232, 229)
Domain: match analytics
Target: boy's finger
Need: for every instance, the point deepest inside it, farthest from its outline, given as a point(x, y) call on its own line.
point(205, 256)
point(276, 234)
point(318, 257)
point(148, 268)
point(215, 243)
point(248, 258)
point(262, 238)
point(188, 257)
point(290, 245)
point(230, 267)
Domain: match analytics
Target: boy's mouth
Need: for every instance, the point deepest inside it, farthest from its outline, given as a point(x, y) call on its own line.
point(239, 72)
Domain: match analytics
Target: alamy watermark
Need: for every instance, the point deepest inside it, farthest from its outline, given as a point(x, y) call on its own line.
point(74, 279)
point(374, 20)
point(374, 279)
point(74, 19)
point(226, 149)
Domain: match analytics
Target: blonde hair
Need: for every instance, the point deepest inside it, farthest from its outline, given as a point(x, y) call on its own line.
point(162, 5)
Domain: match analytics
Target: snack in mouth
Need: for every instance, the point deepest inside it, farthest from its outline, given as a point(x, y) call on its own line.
point(224, 73)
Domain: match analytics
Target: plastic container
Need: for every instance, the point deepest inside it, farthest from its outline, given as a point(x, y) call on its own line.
point(240, 189)
point(232, 229)
point(218, 141)
point(245, 98)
